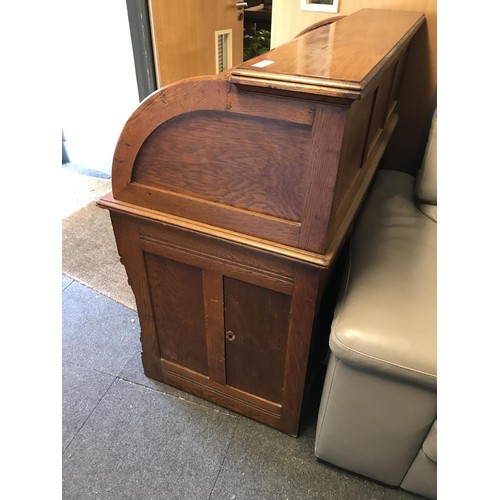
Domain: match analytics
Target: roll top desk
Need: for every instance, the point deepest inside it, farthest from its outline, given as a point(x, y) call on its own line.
point(232, 196)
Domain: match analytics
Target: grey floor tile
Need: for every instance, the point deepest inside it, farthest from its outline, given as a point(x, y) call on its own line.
point(134, 372)
point(126, 436)
point(399, 494)
point(66, 281)
point(143, 444)
point(82, 389)
point(265, 464)
point(312, 398)
point(97, 332)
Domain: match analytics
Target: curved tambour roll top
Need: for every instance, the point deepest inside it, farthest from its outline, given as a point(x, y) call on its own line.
point(199, 150)
point(284, 160)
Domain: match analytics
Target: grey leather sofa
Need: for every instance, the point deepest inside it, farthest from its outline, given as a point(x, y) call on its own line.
point(378, 412)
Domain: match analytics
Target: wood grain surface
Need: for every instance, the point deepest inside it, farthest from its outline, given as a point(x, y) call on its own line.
point(343, 55)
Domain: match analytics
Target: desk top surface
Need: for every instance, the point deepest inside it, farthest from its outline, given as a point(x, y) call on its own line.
point(342, 55)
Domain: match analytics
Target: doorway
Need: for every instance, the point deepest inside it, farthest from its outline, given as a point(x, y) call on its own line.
point(100, 90)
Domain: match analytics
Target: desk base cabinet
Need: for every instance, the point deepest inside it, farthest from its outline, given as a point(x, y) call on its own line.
point(229, 323)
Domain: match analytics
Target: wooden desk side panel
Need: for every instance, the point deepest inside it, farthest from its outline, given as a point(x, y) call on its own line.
point(327, 140)
point(232, 160)
point(127, 236)
point(369, 126)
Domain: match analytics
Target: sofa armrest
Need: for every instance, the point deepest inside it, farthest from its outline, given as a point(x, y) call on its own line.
point(386, 318)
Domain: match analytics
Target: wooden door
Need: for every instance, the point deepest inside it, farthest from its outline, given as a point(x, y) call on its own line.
point(195, 37)
point(254, 321)
point(257, 321)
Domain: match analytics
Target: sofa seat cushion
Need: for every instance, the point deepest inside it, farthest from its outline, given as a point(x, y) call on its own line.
point(385, 319)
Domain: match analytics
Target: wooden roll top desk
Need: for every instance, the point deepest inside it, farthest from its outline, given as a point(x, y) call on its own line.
point(232, 196)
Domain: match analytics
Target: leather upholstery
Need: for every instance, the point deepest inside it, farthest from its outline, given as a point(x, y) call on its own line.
point(426, 184)
point(370, 423)
point(378, 411)
point(386, 320)
point(430, 444)
point(421, 478)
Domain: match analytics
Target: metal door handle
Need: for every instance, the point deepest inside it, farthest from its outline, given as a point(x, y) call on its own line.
point(241, 5)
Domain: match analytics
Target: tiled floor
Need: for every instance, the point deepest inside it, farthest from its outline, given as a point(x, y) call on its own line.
point(125, 436)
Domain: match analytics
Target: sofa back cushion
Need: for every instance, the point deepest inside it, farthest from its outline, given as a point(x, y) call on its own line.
point(426, 182)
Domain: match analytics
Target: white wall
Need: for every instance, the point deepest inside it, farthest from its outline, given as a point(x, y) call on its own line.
point(98, 79)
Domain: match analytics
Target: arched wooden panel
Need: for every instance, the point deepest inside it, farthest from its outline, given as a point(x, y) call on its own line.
point(242, 161)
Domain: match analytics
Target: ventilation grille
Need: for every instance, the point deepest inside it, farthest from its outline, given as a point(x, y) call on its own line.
point(223, 50)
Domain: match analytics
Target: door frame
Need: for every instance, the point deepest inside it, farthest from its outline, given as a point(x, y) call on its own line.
point(142, 47)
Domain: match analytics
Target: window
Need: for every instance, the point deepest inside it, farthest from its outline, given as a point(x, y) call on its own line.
point(320, 5)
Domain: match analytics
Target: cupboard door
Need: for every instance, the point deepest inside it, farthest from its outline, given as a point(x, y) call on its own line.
point(256, 332)
point(178, 308)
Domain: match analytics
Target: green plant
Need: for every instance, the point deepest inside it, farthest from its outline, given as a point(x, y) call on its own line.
point(256, 42)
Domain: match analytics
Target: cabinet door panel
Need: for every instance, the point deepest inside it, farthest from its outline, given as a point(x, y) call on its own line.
point(178, 306)
point(256, 324)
